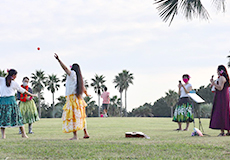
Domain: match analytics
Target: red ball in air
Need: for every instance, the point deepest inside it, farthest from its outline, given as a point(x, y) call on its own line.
point(38, 48)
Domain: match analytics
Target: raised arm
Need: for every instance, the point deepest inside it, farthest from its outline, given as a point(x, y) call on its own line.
point(68, 72)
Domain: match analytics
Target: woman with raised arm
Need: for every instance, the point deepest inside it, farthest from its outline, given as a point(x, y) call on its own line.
point(220, 110)
point(73, 115)
point(10, 115)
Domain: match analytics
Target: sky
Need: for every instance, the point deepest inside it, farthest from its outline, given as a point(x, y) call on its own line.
point(106, 37)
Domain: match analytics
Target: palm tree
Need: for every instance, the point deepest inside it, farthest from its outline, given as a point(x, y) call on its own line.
point(189, 8)
point(91, 109)
point(64, 78)
point(128, 79)
point(2, 73)
point(38, 83)
point(119, 84)
point(171, 99)
point(58, 106)
point(86, 84)
point(113, 107)
point(52, 85)
point(98, 85)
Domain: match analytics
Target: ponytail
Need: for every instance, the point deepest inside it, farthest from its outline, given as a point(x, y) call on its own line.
point(11, 72)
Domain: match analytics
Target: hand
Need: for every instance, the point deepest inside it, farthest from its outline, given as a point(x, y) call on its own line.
point(56, 56)
point(34, 95)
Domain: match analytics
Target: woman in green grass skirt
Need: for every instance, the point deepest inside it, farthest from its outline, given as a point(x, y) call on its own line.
point(10, 115)
point(27, 106)
point(183, 112)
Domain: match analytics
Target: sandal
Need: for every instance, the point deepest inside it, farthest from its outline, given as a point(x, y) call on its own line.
point(221, 134)
point(86, 137)
point(178, 129)
point(227, 134)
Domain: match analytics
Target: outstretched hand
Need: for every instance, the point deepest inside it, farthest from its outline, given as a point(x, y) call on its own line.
point(56, 56)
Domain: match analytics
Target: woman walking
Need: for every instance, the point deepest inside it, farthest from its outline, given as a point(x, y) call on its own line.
point(183, 112)
point(10, 115)
point(220, 111)
point(73, 115)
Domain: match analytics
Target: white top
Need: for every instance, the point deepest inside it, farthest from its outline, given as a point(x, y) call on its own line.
point(71, 83)
point(9, 91)
point(182, 91)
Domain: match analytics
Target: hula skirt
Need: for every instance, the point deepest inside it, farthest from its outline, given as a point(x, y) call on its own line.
point(183, 111)
point(73, 115)
point(29, 112)
point(10, 115)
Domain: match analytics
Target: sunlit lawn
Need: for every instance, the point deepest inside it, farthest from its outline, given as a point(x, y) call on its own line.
point(107, 141)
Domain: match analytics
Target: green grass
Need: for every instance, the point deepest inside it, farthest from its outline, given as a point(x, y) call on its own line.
point(107, 141)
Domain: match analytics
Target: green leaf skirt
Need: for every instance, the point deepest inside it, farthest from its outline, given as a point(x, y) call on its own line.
point(10, 115)
point(183, 111)
point(29, 112)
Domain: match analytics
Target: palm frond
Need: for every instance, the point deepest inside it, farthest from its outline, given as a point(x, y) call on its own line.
point(167, 9)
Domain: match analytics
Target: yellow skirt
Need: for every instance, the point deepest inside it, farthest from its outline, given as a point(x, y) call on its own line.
point(73, 115)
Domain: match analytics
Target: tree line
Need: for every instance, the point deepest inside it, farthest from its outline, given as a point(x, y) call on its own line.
point(165, 106)
point(39, 81)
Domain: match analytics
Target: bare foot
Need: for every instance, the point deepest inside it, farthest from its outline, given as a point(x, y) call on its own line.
point(4, 137)
point(25, 136)
point(185, 130)
point(74, 138)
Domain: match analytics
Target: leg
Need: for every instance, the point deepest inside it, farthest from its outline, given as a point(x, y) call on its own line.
point(30, 128)
point(19, 131)
point(3, 133)
point(74, 136)
point(179, 125)
point(23, 132)
point(187, 125)
point(86, 135)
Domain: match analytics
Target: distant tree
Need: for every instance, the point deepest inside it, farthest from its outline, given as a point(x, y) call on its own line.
point(86, 83)
point(161, 109)
point(119, 84)
point(128, 79)
point(38, 81)
point(98, 85)
point(52, 86)
point(114, 106)
point(142, 111)
point(2, 73)
point(205, 93)
point(63, 80)
point(92, 108)
point(57, 112)
point(171, 99)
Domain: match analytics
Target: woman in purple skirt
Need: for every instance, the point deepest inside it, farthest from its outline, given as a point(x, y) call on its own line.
point(220, 110)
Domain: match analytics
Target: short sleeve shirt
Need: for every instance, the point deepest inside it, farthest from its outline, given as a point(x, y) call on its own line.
point(71, 83)
point(9, 91)
point(182, 91)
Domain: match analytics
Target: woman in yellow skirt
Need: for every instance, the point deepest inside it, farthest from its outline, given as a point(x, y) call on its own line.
point(73, 115)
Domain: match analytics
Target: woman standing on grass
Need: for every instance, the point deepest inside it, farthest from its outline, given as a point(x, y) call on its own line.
point(10, 115)
point(220, 110)
point(183, 111)
point(73, 115)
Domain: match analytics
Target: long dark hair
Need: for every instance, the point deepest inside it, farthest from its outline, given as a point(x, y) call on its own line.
point(80, 84)
point(223, 72)
point(11, 72)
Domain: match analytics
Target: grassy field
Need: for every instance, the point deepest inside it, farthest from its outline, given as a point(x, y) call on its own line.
point(107, 141)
